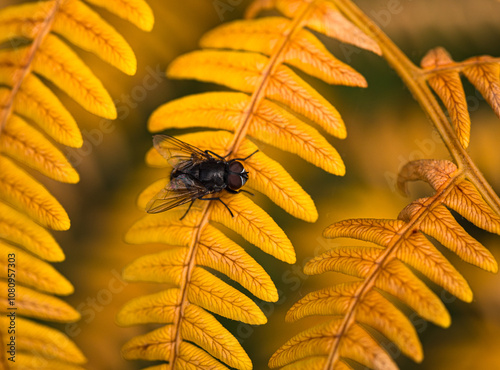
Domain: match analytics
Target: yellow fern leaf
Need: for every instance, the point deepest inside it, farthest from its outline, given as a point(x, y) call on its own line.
point(20, 230)
point(38, 305)
point(483, 74)
point(23, 20)
point(304, 50)
point(466, 200)
point(259, 76)
point(32, 272)
point(150, 309)
point(401, 240)
point(324, 18)
point(448, 86)
point(58, 63)
point(418, 252)
point(443, 75)
point(270, 124)
point(317, 362)
point(40, 339)
point(436, 173)
point(34, 362)
point(210, 292)
point(25, 99)
point(38, 102)
point(191, 356)
point(157, 346)
point(327, 19)
point(441, 225)
point(85, 28)
point(415, 250)
point(25, 144)
point(165, 267)
point(376, 231)
point(199, 325)
point(163, 228)
point(357, 345)
point(374, 310)
point(217, 252)
point(221, 254)
point(395, 278)
point(21, 190)
point(251, 222)
point(241, 71)
point(137, 12)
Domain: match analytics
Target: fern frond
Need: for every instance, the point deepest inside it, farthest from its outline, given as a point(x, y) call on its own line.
point(34, 50)
point(459, 186)
point(443, 75)
point(242, 71)
point(357, 345)
point(25, 193)
point(33, 272)
point(51, 343)
point(271, 124)
point(85, 28)
point(25, 144)
point(21, 230)
point(39, 104)
point(324, 17)
point(399, 242)
point(272, 104)
point(304, 50)
point(137, 12)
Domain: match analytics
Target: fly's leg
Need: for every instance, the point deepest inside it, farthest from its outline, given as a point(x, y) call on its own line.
point(242, 159)
point(185, 214)
point(218, 156)
point(220, 200)
point(228, 154)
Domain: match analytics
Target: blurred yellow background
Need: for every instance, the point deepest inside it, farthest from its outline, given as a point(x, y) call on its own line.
point(385, 127)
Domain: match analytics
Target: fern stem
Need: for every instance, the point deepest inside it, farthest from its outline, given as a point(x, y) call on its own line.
point(415, 80)
point(457, 67)
point(187, 272)
point(388, 255)
point(239, 135)
point(26, 66)
point(274, 62)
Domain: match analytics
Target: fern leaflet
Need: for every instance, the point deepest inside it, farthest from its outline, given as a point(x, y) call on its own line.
point(272, 104)
point(401, 242)
point(31, 34)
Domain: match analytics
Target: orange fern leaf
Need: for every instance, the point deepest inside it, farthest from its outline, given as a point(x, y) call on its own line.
point(272, 104)
point(32, 34)
point(399, 242)
point(443, 75)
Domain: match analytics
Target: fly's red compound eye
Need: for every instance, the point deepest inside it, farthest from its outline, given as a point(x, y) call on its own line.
point(236, 167)
point(234, 181)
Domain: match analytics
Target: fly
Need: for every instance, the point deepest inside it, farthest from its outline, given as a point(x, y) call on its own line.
point(196, 174)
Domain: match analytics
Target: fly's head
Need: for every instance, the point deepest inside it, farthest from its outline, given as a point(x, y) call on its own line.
point(236, 175)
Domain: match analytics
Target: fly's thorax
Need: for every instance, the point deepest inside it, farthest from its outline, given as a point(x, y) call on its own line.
point(212, 174)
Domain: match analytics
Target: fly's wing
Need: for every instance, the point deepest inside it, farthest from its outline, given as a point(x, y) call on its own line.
point(178, 153)
point(181, 190)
